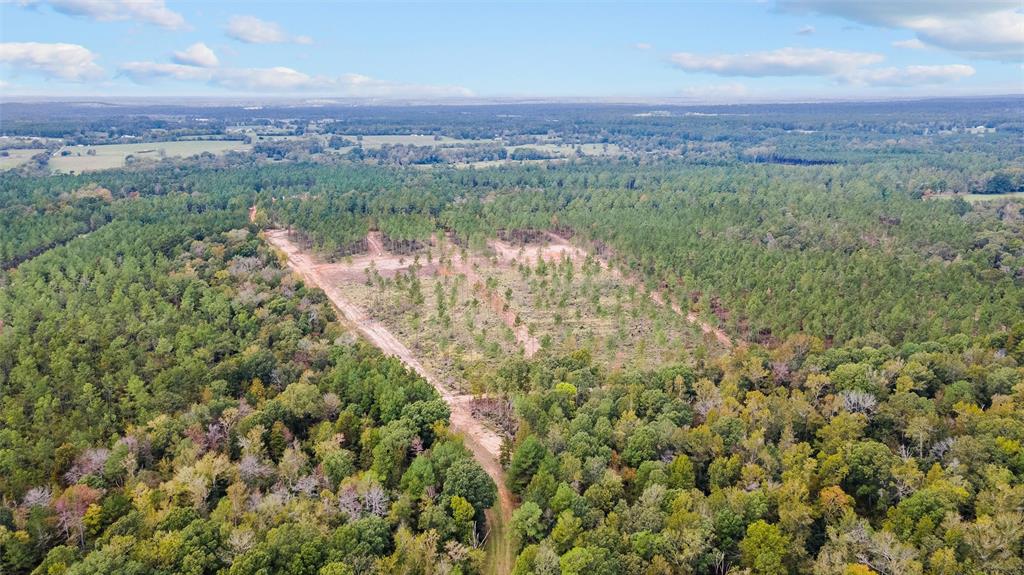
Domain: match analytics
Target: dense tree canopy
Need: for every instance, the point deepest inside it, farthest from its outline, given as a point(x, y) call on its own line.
point(779, 460)
point(172, 400)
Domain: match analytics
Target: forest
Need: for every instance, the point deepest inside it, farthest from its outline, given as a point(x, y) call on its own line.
point(176, 396)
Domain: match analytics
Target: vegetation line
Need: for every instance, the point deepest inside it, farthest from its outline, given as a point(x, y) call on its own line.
point(16, 261)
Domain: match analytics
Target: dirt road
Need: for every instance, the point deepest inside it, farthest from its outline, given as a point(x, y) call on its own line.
point(481, 440)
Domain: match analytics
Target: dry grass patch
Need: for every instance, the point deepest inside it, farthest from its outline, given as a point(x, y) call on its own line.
point(102, 157)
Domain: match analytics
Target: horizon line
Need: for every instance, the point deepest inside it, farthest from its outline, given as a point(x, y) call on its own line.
point(321, 101)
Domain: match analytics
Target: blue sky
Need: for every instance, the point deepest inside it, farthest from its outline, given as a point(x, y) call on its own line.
point(701, 51)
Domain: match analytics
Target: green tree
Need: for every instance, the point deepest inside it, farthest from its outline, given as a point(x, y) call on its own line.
point(566, 530)
point(526, 523)
point(468, 480)
point(764, 549)
point(576, 561)
point(525, 462)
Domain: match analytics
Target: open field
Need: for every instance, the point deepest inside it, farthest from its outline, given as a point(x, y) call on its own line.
point(114, 155)
point(17, 157)
point(494, 163)
point(567, 150)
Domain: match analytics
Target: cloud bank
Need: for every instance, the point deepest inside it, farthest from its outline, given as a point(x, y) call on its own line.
point(984, 29)
point(844, 67)
point(145, 11)
point(910, 75)
point(281, 79)
point(781, 62)
point(61, 61)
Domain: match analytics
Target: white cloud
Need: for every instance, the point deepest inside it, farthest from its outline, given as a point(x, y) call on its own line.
point(910, 75)
point(845, 67)
point(990, 29)
point(146, 11)
point(806, 31)
point(276, 79)
point(197, 54)
point(998, 36)
point(643, 46)
point(144, 72)
point(281, 79)
point(909, 44)
point(781, 62)
point(63, 61)
point(252, 30)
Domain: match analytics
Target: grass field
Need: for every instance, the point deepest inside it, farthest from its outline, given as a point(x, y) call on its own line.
point(974, 198)
point(113, 155)
point(560, 152)
point(16, 157)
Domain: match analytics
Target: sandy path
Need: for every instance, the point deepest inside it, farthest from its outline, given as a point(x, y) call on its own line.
point(484, 443)
point(375, 242)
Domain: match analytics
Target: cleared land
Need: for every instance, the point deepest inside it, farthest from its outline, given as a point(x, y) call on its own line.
point(462, 314)
point(706, 328)
point(109, 156)
point(410, 140)
point(17, 157)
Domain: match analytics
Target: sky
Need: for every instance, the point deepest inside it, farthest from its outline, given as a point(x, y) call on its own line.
point(702, 51)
